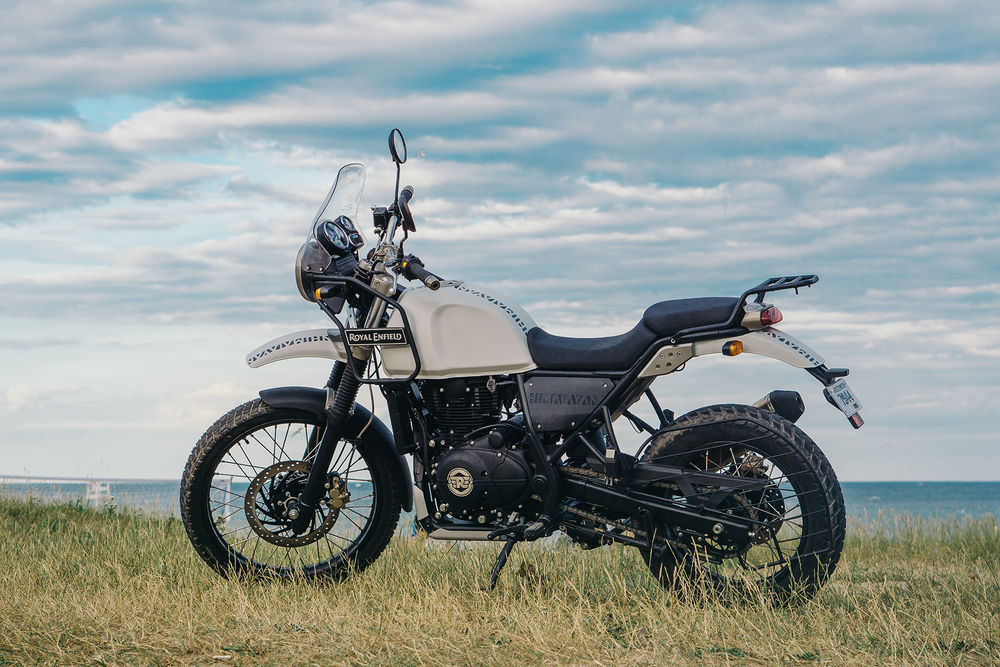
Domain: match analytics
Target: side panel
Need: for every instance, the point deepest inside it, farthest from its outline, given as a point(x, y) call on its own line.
point(312, 343)
point(461, 330)
point(557, 402)
point(314, 400)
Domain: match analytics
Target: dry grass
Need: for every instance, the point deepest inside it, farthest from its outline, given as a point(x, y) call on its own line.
point(86, 587)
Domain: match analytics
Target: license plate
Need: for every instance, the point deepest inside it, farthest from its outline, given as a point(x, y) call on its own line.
point(843, 397)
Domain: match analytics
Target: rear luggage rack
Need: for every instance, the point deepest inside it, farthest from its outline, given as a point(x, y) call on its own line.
point(779, 283)
point(733, 326)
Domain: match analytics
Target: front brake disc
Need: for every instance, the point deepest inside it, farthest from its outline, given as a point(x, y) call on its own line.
point(264, 513)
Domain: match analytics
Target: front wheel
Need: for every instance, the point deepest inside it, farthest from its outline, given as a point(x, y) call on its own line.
point(242, 474)
point(801, 507)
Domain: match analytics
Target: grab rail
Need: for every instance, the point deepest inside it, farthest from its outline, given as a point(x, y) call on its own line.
point(732, 325)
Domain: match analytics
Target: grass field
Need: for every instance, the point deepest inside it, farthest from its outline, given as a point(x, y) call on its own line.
point(87, 587)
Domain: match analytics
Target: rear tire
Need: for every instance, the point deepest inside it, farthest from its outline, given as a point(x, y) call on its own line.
point(804, 503)
point(240, 447)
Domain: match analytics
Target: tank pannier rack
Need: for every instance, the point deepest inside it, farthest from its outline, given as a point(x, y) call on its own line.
point(342, 286)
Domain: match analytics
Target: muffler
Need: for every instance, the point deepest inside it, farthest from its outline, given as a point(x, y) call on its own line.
point(788, 404)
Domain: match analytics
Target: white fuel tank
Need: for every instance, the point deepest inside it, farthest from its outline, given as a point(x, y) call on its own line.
point(460, 330)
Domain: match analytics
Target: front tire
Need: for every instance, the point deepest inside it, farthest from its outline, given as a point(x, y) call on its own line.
point(250, 461)
point(802, 503)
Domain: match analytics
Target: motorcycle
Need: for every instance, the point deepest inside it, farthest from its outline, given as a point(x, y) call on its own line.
point(510, 429)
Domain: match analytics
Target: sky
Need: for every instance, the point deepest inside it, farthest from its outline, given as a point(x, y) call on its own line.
point(160, 164)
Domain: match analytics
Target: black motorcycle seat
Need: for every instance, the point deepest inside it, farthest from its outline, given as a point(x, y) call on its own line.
point(618, 353)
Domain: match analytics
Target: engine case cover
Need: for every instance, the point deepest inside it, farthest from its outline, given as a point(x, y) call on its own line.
point(479, 477)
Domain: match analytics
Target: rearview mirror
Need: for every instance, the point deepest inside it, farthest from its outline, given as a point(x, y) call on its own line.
point(397, 147)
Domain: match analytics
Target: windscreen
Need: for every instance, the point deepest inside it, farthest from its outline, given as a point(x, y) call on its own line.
point(345, 195)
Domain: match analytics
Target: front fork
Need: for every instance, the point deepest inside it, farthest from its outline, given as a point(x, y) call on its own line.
point(337, 415)
point(344, 389)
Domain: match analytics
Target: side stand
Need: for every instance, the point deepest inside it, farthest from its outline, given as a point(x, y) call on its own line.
point(501, 561)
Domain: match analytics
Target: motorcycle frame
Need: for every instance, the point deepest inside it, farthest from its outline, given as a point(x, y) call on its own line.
point(627, 479)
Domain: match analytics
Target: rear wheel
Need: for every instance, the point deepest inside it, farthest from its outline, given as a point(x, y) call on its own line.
point(246, 470)
point(801, 505)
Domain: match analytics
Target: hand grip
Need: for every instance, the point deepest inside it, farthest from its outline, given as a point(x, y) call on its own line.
point(413, 269)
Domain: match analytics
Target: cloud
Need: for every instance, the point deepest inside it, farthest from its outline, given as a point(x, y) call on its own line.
point(169, 123)
point(159, 166)
point(108, 48)
point(32, 343)
point(856, 164)
point(19, 396)
point(813, 32)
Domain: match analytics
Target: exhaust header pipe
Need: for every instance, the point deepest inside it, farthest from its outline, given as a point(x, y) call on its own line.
point(788, 404)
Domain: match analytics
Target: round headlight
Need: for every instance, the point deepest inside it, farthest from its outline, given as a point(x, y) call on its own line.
point(311, 260)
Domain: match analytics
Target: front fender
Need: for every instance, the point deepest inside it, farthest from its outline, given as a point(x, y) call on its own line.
point(321, 343)
point(313, 400)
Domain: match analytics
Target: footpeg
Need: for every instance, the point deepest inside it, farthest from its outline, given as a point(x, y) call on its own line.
point(538, 529)
point(508, 532)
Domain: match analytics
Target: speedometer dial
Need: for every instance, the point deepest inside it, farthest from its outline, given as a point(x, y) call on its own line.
point(333, 238)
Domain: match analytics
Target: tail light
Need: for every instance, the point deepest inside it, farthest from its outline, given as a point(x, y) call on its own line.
point(759, 316)
point(770, 315)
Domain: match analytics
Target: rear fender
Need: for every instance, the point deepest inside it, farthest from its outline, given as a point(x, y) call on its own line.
point(769, 342)
point(377, 435)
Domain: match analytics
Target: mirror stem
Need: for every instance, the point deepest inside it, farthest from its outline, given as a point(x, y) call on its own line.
point(396, 197)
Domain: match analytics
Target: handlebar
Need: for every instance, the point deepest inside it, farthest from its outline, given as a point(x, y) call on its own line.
point(413, 269)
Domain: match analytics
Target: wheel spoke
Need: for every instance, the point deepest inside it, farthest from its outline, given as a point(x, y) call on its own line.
point(250, 477)
point(282, 480)
point(785, 501)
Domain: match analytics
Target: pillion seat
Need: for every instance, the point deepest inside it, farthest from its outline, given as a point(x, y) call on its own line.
point(618, 353)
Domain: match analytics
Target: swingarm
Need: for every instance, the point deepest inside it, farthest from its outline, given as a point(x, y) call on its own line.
point(698, 512)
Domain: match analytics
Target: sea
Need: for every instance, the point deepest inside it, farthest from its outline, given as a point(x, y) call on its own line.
point(864, 500)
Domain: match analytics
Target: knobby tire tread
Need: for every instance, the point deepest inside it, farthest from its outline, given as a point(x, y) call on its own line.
point(756, 419)
point(216, 435)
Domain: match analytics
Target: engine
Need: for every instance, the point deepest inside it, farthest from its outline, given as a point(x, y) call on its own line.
point(482, 479)
point(478, 463)
point(463, 405)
